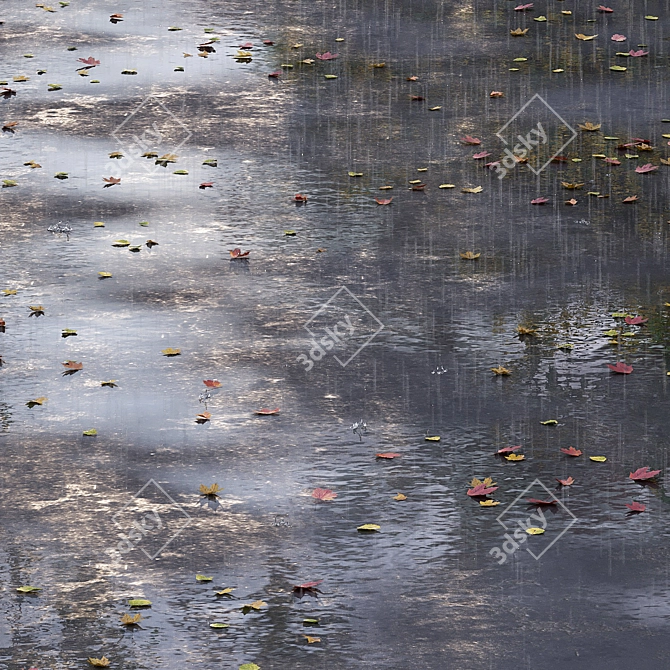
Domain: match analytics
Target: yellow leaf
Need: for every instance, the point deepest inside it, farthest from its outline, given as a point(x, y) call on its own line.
point(400, 496)
point(224, 592)
point(470, 255)
point(434, 438)
point(257, 604)
point(489, 503)
point(171, 352)
point(571, 186)
point(585, 38)
point(549, 422)
point(202, 578)
point(447, 186)
point(105, 275)
point(598, 459)
point(500, 370)
point(515, 457)
point(210, 490)
point(518, 32)
point(525, 330)
point(128, 620)
point(589, 126)
point(99, 662)
point(368, 527)
point(312, 640)
point(534, 531)
point(476, 189)
point(98, 224)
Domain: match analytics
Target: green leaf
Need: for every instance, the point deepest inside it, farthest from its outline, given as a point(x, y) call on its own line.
point(139, 602)
point(250, 666)
point(61, 175)
point(330, 76)
point(144, 223)
point(68, 332)
point(216, 624)
point(540, 18)
point(355, 174)
point(211, 162)
point(28, 589)
point(290, 233)
point(121, 243)
point(54, 87)
point(520, 60)
point(310, 622)
point(7, 183)
point(180, 172)
point(618, 68)
point(91, 432)
point(202, 578)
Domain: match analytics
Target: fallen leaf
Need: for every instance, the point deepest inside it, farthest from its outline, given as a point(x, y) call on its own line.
point(572, 186)
point(299, 197)
point(476, 189)
point(602, 8)
point(73, 365)
point(642, 474)
point(489, 503)
point(643, 169)
point(171, 352)
point(526, 330)
point(585, 38)
point(139, 602)
point(566, 482)
point(37, 401)
point(469, 255)
point(518, 32)
point(206, 184)
point(267, 412)
point(217, 624)
point(388, 454)
point(212, 383)
point(638, 54)
point(368, 528)
point(620, 368)
point(434, 438)
point(571, 451)
point(481, 154)
point(496, 94)
point(470, 140)
point(536, 501)
point(549, 422)
point(629, 199)
point(588, 126)
point(91, 432)
point(326, 56)
point(224, 592)
point(539, 201)
point(99, 662)
point(105, 275)
point(508, 450)
point(635, 320)
point(237, 253)
point(383, 201)
point(482, 488)
point(500, 370)
point(202, 578)
point(203, 417)
point(515, 457)
point(109, 384)
point(28, 589)
point(636, 507)
point(312, 640)
point(598, 459)
point(210, 491)
point(129, 620)
point(534, 531)
point(111, 181)
point(324, 494)
point(400, 497)
point(572, 202)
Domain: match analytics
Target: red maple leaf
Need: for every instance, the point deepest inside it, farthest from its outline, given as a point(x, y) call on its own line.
point(90, 61)
point(643, 169)
point(605, 10)
point(571, 451)
point(481, 154)
point(637, 54)
point(73, 365)
point(539, 201)
point(212, 383)
point(468, 139)
point(327, 56)
point(629, 199)
point(641, 474)
point(268, 43)
point(324, 494)
point(383, 201)
point(612, 161)
point(246, 45)
point(636, 506)
point(566, 482)
point(508, 450)
point(535, 501)
point(416, 97)
point(299, 197)
point(635, 320)
point(521, 8)
point(206, 184)
point(388, 454)
point(481, 490)
point(275, 75)
point(237, 253)
point(111, 181)
point(621, 368)
point(267, 412)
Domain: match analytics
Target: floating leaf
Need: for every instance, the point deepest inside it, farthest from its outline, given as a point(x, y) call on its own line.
point(447, 186)
point(434, 438)
point(92, 432)
point(139, 602)
point(515, 457)
point(566, 482)
point(267, 412)
point(400, 497)
point(99, 662)
point(324, 494)
point(368, 528)
point(109, 384)
point(534, 531)
point(476, 189)
point(171, 352)
point(121, 243)
point(618, 68)
point(500, 370)
point(28, 589)
point(621, 368)
point(585, 38)
point(642, 474)
point(104, 275)
point(469, 255)
point(598, 459)
point(256, 606)
point(130, 620)
point(489, 503)
point(202, 578)
point(37, 401)
point(249, 666)
point(388, 455)
point(549, 422)
point(217, 624)
point(636, 507)
point(224, 592)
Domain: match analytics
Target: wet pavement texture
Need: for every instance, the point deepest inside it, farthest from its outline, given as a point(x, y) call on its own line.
point(426, 591)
